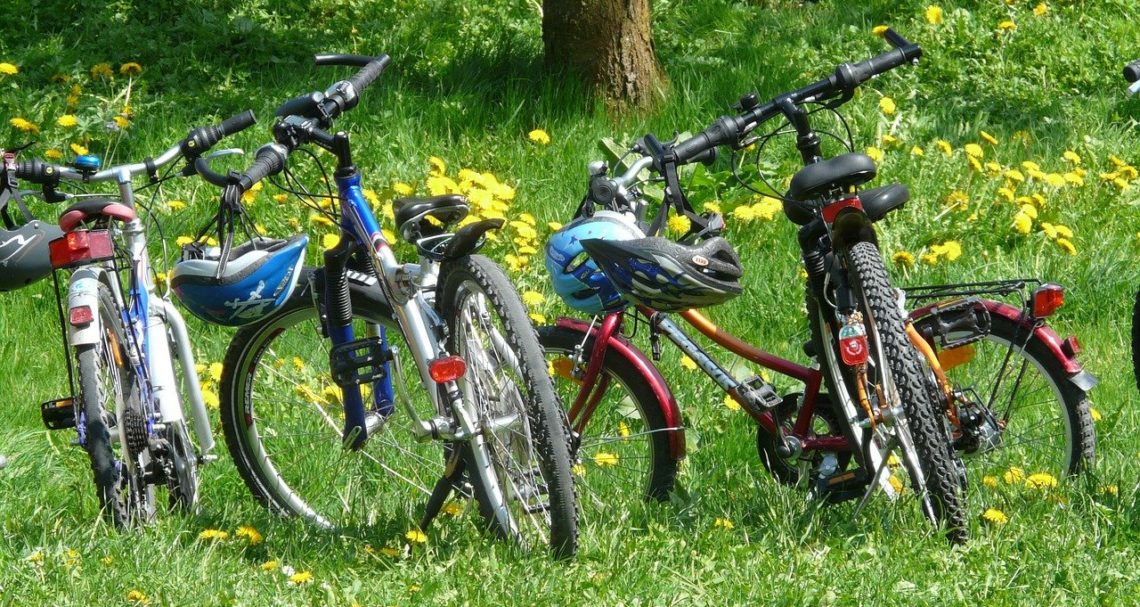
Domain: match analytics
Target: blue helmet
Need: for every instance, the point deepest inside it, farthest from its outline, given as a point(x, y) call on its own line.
point(259, 277)
point(577, 278)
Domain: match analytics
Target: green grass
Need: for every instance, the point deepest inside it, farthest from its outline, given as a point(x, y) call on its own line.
point(466, 86)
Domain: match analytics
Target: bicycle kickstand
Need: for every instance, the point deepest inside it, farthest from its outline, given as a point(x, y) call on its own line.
point(452, 476)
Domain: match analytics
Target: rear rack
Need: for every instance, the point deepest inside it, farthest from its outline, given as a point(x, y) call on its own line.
point(1000, 288)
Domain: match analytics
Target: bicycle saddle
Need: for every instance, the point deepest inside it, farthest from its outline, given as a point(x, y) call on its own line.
point(93, 208)
point(840, 172)
point(411, 214)
point(877, 202)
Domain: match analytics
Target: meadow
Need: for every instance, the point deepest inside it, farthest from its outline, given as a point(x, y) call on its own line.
point(1014, 134)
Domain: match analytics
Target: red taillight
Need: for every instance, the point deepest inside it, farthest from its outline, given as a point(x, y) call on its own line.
point(1047, 298)
point(80, 315)
point(80, 246)
point(448, 368)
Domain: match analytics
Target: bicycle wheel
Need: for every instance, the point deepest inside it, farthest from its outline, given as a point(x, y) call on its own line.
point(623, 446)
point(107, 385)
point(924, 444)
point(523, 483)
point(1021, 408)
point(283, 419)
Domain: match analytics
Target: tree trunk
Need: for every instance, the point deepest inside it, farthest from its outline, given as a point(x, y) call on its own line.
point(607, 43)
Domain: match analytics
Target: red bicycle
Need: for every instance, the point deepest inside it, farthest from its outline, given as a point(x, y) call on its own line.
point(991, 378)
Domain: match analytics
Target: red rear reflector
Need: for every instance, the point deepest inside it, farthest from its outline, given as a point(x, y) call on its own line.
point(448, 368)
point(1047, 298)
point(1071, 347)
point(80, 315)
point(80, 246)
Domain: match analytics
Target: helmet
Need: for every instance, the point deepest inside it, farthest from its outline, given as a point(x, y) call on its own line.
point(668, 276)
point(24, 256)
point(259, 276)
point(577, 279)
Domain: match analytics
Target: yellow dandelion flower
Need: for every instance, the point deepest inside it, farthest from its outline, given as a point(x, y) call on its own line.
point(270, 565)
point(974, 163)
point(1029, 210)
point(1007, 26)
point(1071, 156)
point(1055, 180)
point(1114, 159)
point(438, 166)
point(1094, 414)
point(138, 597)
point(604, 459)
point(896, 484)
point(623, 429)
point(889, 140)
point(53, 154)
point(1129, 172)
point(688, 363)
point(80, 150)
point(878, 30)
point(903, 259)
point(874, 153)
point(887, 106)
point(130, 68)
point(35, 557)
point(1041, 480)
point(176, 205)
point(102, 70)
point(8, 69)
point(988, 138)
point(1041, 9)
point(1074, 178)
point(1029, 165)
point(1013, 476)
point(1015, 175)
point(741, 213)
point(993, 516)
point(1039, 200)
point(731, 403)
point(934, 15)
point(930, 259)
point(1005, 193)
point(723, 523)
point(24, 125)
point(767, 208)
point(974, 150)
point(539, 136)
point(416, 536)
point(67, 121)
point(578, 470)
point(213, 534)
point(536, 318)
point(329, 241)
point(956, 198)
point(301, 578)
point(533, 298)
point(1112, 490)
point(990, 481)
point(1022, 223)
point(1066, 246)
point(679, 225)
point(944, 147)
point(251, 534)
point(403, 189)
point(388, 551)
point(916, 151)
point(993, 169)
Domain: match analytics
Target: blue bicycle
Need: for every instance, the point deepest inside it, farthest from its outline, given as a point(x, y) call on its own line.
point(310, 390)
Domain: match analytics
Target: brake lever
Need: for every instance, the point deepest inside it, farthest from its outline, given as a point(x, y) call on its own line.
point(225, 152)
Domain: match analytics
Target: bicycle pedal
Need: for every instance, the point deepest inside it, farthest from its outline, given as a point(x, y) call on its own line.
point(361, 361)
point(758, 395)
point(843, 486)
point(58, 414)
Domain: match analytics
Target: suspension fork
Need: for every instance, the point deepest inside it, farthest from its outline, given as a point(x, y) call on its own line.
point(338, 325)
point(594, 384)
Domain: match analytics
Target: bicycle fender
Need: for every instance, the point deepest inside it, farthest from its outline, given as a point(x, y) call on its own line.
point(83, 291)
point(637, 360)
point(1041, 332)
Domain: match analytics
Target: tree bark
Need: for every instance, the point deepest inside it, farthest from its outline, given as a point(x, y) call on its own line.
point(607, 43)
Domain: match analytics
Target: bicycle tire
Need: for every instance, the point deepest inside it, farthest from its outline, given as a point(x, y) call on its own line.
point(107, 384)
point(924, 420)
point(471, 291)
point(623, 449)
point(283, 428)
point(1010, 369)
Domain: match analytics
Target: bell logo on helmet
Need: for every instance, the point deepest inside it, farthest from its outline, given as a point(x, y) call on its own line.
point(253, 307)
point(701, 261)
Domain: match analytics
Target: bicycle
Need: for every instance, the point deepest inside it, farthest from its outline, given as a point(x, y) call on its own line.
point(122, 339)
point(487, 397)
point(989, 358)
point(1132, 76)
point(878, 398)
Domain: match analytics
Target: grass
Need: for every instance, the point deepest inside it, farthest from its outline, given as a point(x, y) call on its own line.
point(467, 86)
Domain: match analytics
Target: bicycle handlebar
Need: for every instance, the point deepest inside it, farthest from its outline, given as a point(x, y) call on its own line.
point(1132, 71)
point(196, 143)
point(847, 76)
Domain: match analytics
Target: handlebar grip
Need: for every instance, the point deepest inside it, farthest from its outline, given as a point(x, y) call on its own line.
point(201, 139)
point(725, 130)
point(1132, 71)
point(369, 72)
point(851, 75)
point(270, 160)
point(37, 171)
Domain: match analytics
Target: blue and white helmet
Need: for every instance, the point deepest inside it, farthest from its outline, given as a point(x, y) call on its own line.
point(577, 278)
point(259, 278)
